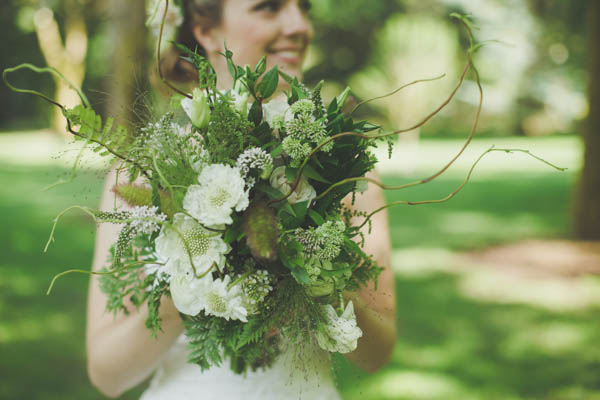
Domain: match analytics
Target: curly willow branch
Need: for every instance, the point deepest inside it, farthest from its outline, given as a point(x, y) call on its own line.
point(84, 271)
point(160, 36)
point(395, 91)
point(451, 195)
point(469, 65)
point(49, 70)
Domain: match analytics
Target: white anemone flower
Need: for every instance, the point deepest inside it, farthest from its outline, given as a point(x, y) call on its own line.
point(205, 247)
point(219, 192)
point(340, 333)
point(222, 301)
point(304, 191)
point(187, 293)
point(277, 109)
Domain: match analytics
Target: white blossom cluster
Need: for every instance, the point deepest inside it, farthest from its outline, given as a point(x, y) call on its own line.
point(255, 158)
point(146, 220)
point(256, 287)
point(323, 242)
point(304, 132)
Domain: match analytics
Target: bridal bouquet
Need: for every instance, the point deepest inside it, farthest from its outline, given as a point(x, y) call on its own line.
point(237, 215)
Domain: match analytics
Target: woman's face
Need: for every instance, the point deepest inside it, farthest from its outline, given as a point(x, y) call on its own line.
point(279, 29)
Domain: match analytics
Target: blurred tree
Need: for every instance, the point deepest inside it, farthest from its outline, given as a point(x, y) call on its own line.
point(587, 209)
point(67, 56)
point(129, 59)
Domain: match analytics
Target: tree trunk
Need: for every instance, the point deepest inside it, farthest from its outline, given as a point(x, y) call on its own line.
point(129, 80)
point(587, 207)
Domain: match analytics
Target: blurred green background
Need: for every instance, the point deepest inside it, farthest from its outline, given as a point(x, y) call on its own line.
point(497, 295)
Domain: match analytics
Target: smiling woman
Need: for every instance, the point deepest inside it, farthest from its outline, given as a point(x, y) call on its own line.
point(120, 352)
point(281, 29)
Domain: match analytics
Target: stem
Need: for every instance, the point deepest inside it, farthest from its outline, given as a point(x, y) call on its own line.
point(83, 271)
point(468, 177)
point(50, 70)
point(160, 36)
point(394, 92)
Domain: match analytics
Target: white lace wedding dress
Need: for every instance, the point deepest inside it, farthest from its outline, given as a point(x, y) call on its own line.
point(309, 378)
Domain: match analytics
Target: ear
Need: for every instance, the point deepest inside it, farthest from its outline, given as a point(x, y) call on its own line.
point(207, 38)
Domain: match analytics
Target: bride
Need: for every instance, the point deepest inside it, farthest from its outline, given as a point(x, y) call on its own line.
point(121, 353)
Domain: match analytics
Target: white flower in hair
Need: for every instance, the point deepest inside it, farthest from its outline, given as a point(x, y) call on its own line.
point(219, 192)
point(156, 10)
point(205, 247)
point(340, 333)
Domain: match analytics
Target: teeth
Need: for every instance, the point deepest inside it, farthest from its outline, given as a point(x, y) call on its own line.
point(289, 54)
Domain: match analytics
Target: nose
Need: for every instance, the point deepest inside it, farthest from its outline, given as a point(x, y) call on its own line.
point(295, 21)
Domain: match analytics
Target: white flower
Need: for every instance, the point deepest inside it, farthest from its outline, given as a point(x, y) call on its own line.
point(206, 248)
point(240, 101)
point(197, 109)
point(173, 20)
point(187, 293)
point(276, 108)
point(192, 295)
point(340, 334)
point(219, 192)
point(224, 302)
point(303, 192)
point(146, 220)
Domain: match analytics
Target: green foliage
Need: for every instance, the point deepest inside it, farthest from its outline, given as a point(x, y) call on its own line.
point(90, 125)
point(229, 134)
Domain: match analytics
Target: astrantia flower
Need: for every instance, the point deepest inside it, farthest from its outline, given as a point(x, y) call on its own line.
point(221, 301)
point(205, 247)
point(339, 333)
point(219, 192)
point(303, 192)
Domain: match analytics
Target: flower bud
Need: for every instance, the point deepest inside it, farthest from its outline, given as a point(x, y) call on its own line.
point(341, 99)
point(197, 109)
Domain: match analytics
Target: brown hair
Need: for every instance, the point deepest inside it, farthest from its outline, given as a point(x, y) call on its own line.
point(206, 13)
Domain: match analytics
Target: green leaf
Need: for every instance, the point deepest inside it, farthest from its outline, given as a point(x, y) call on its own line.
point(311, 173)
point(277, 151)
point(255, 113)
point(300, 210)
point(316, 217)
point(291, 173)
point(269, 82)
point(301, 276)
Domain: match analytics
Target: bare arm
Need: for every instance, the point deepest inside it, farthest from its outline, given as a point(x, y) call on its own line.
point(120, 351)
point(375, 309)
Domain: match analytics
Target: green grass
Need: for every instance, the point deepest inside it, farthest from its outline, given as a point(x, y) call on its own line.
point(450, 345)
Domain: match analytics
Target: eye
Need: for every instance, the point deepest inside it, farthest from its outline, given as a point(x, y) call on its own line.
point(305, 5)
point(268, 5)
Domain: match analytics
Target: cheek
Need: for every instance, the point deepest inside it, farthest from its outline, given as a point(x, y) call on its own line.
point(250, 40)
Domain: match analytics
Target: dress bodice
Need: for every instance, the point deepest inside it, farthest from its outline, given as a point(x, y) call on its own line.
point(304, 375)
